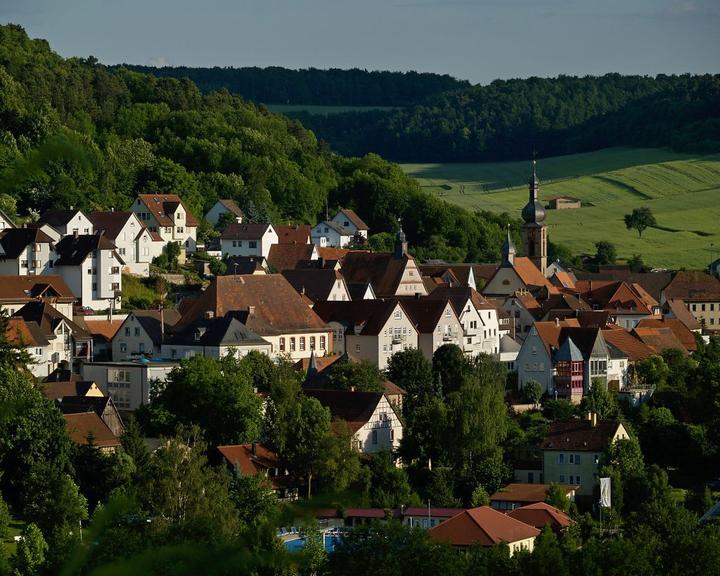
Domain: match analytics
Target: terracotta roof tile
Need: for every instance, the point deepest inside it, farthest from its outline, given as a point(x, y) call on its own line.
point(540, 515)
point(288, 256)
point(580, 435)
point(232, 207)
point(105, 328)
point(250, 459)
point(82, 424)
point(482, 526)
point(635, 348)
point(679, 310)
point(659, 339)
point(354, 218)
point(682, 332)
point(529, 493)
point(162, 206)
point(293, 234)
point(355, 408)
point(693, 286)
point(22, 288)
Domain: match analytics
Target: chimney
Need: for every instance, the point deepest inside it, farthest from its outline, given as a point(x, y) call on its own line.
point(251, 310)
point(557, 321)
point(594, 419)
point(254, 448)
point(209, 314)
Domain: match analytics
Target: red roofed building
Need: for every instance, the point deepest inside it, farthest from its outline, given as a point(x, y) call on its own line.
point(485, 527)
point(517, 495)
point(256, 458)
point(542, 514)
point(168, 216)
point(83, 425)
point(701, 294)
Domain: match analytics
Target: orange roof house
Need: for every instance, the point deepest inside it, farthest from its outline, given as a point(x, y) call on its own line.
point(484, 526)
point(84, 424)
point(542, 514)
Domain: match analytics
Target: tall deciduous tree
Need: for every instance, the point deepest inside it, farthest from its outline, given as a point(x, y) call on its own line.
point(640, 219)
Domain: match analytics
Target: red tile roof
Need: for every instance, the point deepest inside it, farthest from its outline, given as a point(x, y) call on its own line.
point(542, 514)
point(24, 288)
point(483, 526)
point(354, 218)
point(82, 424)
point(635, 348)
point(288, 256)
point(580, 435)
point(104, 328)
point(163, 206)
point(678, 309)
point(355, 408)
point(293, 234)
point(682, 332)
point(250, 460)
point(530, 493)
point(659, 339)
point(693, 286)
point(24, 334)
point(381, 269)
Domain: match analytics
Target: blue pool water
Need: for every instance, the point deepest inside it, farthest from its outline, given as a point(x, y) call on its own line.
point(331, 540)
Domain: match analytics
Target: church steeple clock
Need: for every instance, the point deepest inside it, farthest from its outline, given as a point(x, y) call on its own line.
point(534, 231)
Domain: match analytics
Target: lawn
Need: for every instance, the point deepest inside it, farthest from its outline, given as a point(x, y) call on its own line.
point(322, 110)
point(682, 190)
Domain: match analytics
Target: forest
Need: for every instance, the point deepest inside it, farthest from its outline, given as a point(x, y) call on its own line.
point(75, 133)
point(276, 85)
point(512, 119)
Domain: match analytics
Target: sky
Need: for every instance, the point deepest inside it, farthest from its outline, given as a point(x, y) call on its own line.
point(477, 40)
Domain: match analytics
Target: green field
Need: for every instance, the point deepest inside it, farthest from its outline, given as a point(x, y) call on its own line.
point(682, 190)
point(320, 110)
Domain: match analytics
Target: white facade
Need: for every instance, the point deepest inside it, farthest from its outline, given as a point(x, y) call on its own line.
point(481, 333)
point(95, 281)
point(448, 330)
point(135, 246)
point(328, 236)
point(78, 224)
point(217, 211)
point(182, 351)
point(347, 223)
point(37, 258)
point(382, 432)
point(178, 230)
point(132, 340)
point(299, 346)
point(259, 245)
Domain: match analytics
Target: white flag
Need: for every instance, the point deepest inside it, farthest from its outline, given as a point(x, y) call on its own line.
point(605, 492)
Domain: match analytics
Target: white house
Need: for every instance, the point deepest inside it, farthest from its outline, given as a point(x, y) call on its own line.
point(67, 222)
point(349, 220)
point(168, 216)
point(222, 207)
point(247, 239)
point(26, 251)
point(318, 284)
point(142, 334)
point(330, 234)
point(135, 244)
point(16, 291)
point(436, 322)
point(371, 417)
point(91, 267)
point(29, 336)
point(369, 329)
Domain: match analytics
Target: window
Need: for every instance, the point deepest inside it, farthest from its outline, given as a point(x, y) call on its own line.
point(23, 263)
point(322, 342)
point(137, 331)
point(572, 479)
point(572, 458)
point(122, 251)
point(577, 480)
point(357, 347)
point(115, 286)
point(398, 314)
point(302, 343)
point(141, 347)
point(94, 286)
point(561, 458)
point(180, 229)
point(292, 344)
point(702, 307)
point(312, 342)
point(577, 459)
point(127, 331)
point(253, 243)
point(562, 478)
point(392, 435)
point(38, 351)
point(596, 458)
point(282, 344)
point(123, 347)
point(374, 436)
point(177, 216)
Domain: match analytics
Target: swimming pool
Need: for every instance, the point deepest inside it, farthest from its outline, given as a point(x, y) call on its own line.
point(330, 541)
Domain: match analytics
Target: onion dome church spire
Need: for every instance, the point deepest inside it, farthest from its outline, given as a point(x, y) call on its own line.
point(534, 230)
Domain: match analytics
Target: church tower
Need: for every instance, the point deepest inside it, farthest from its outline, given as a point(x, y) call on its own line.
point(534, 231)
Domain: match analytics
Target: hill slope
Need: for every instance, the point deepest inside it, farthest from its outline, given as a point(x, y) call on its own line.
point(682, 190)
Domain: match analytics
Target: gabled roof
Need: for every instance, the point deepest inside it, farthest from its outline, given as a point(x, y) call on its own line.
point(250, 459)
point(459, 297)
point(288, 256)
point(659, 339)
point(293, 234)
point(316, 284)
point(81, 425)
point(530, 274)
point(561, 303)
point(23, 288)
point(231, 206)
point(270, 305)
point(562, 280)
point(354, 218)
point(48, 318)
point(426, 313)
point(381, 269)
point(104, 328)
point(568, 351)
point(580, 435)
point(150, 322)
point(508, 345)
point(682, 333)
point(369, 316)
point(56, 390)
point(329, 253)
point(245, 231)
point(679, 310)
point(528, 493)
point(163, 206)
point(14, 240)
point(74, 250)
point(25, 334)
point(321, 363)
point(339, 228)
point(358, 290)
point(112, 223)
point(246, 264)
point(4, 216)
point(355, 408)
point(692, 286)
point(540, 515)
point(617, 297)
point(482, 526)
point(461, 272)
point(57, 218)
point(225, 331)
point(633, 347)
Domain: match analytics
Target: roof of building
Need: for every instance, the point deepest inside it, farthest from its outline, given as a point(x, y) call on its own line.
point(483, 526)
point(25, 333)
point(339, 228)
point(23, 288)
point(270, 304)
point(508, 345)
point(540, 515)
point(162, 206)
point(368, 317)
point(245, 231)
point(354, 218)
point(659, 339)
point(679, 310)
point(293, 234)
point(321, 363)
point(288, 256)
point(634, 348)
point(84, 424)
point(618, 297)
point(47, 317)
point(358, 290)
point(580, 435)
point(250, 459)
point(231, 206)
point(561, 303)
point(225, 331)
point(14, 240)
point(690, 285)
point(112, 223)
point(104, 328)
point(459, 297)
point(381, 269)
point(460, 272)
point(55, 390)
point(57, 218)
point(316, 284)
point(682, 332)
point(563, 280)
point(74, 250)
point(150, 322)
point(85, 403)
point(334, 254)
point(652, 282)
point(246, 264)
point(425, 313)
point(355, 408)
point(530, 493)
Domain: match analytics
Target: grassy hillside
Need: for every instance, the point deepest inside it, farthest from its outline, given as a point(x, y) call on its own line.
point(683, 192)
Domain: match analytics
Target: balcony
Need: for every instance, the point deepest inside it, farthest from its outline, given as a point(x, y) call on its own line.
point(398, 339)
point(450, 336)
